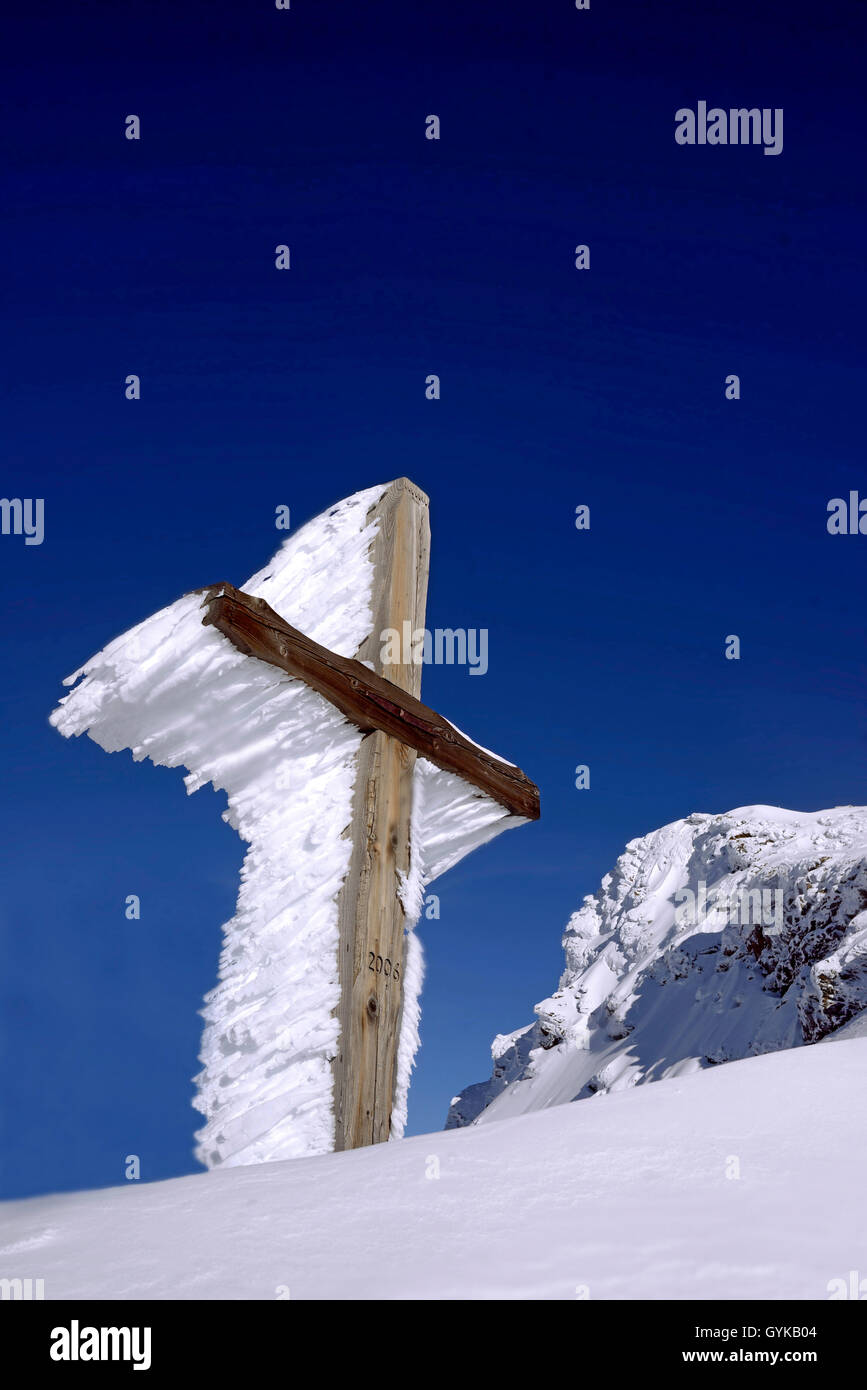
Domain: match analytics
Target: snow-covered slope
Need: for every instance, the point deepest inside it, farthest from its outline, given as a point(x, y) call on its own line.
point(715, 938)
point(182, 695)
point(737, 1183)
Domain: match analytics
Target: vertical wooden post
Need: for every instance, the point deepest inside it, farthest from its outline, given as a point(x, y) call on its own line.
point(371, 917)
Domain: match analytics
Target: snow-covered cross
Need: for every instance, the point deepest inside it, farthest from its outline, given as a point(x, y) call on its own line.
point(352, 795)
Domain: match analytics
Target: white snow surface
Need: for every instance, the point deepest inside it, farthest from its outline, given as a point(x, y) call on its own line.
point(182, 695)
point(743, 1182)
point(646, 996)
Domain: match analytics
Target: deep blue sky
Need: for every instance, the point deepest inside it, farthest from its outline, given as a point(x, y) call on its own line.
point(263, 388)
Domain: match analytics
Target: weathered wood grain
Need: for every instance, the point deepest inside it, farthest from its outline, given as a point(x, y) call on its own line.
point(366, 699)
point(370, 913)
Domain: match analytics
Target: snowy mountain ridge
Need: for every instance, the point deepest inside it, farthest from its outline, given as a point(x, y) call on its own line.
point(715, 938)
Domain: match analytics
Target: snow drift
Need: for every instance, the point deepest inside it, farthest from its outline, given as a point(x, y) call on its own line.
point(715, 938)
point(745, 1182)
point(182, 695)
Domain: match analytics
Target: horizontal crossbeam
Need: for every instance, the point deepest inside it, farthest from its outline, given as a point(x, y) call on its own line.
point(364, 698)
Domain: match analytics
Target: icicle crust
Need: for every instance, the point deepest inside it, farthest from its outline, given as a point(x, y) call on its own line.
point(182, 695)
point(178, 693)
point(449, 820)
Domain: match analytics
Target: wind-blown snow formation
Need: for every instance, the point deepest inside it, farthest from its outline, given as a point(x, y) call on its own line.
point(449, 819)
point(715, 938)
point(182, 695)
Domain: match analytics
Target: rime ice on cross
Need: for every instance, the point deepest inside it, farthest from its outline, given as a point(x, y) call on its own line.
point(352, 796)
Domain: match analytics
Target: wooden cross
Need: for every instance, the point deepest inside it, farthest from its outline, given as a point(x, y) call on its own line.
point(384, 703)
